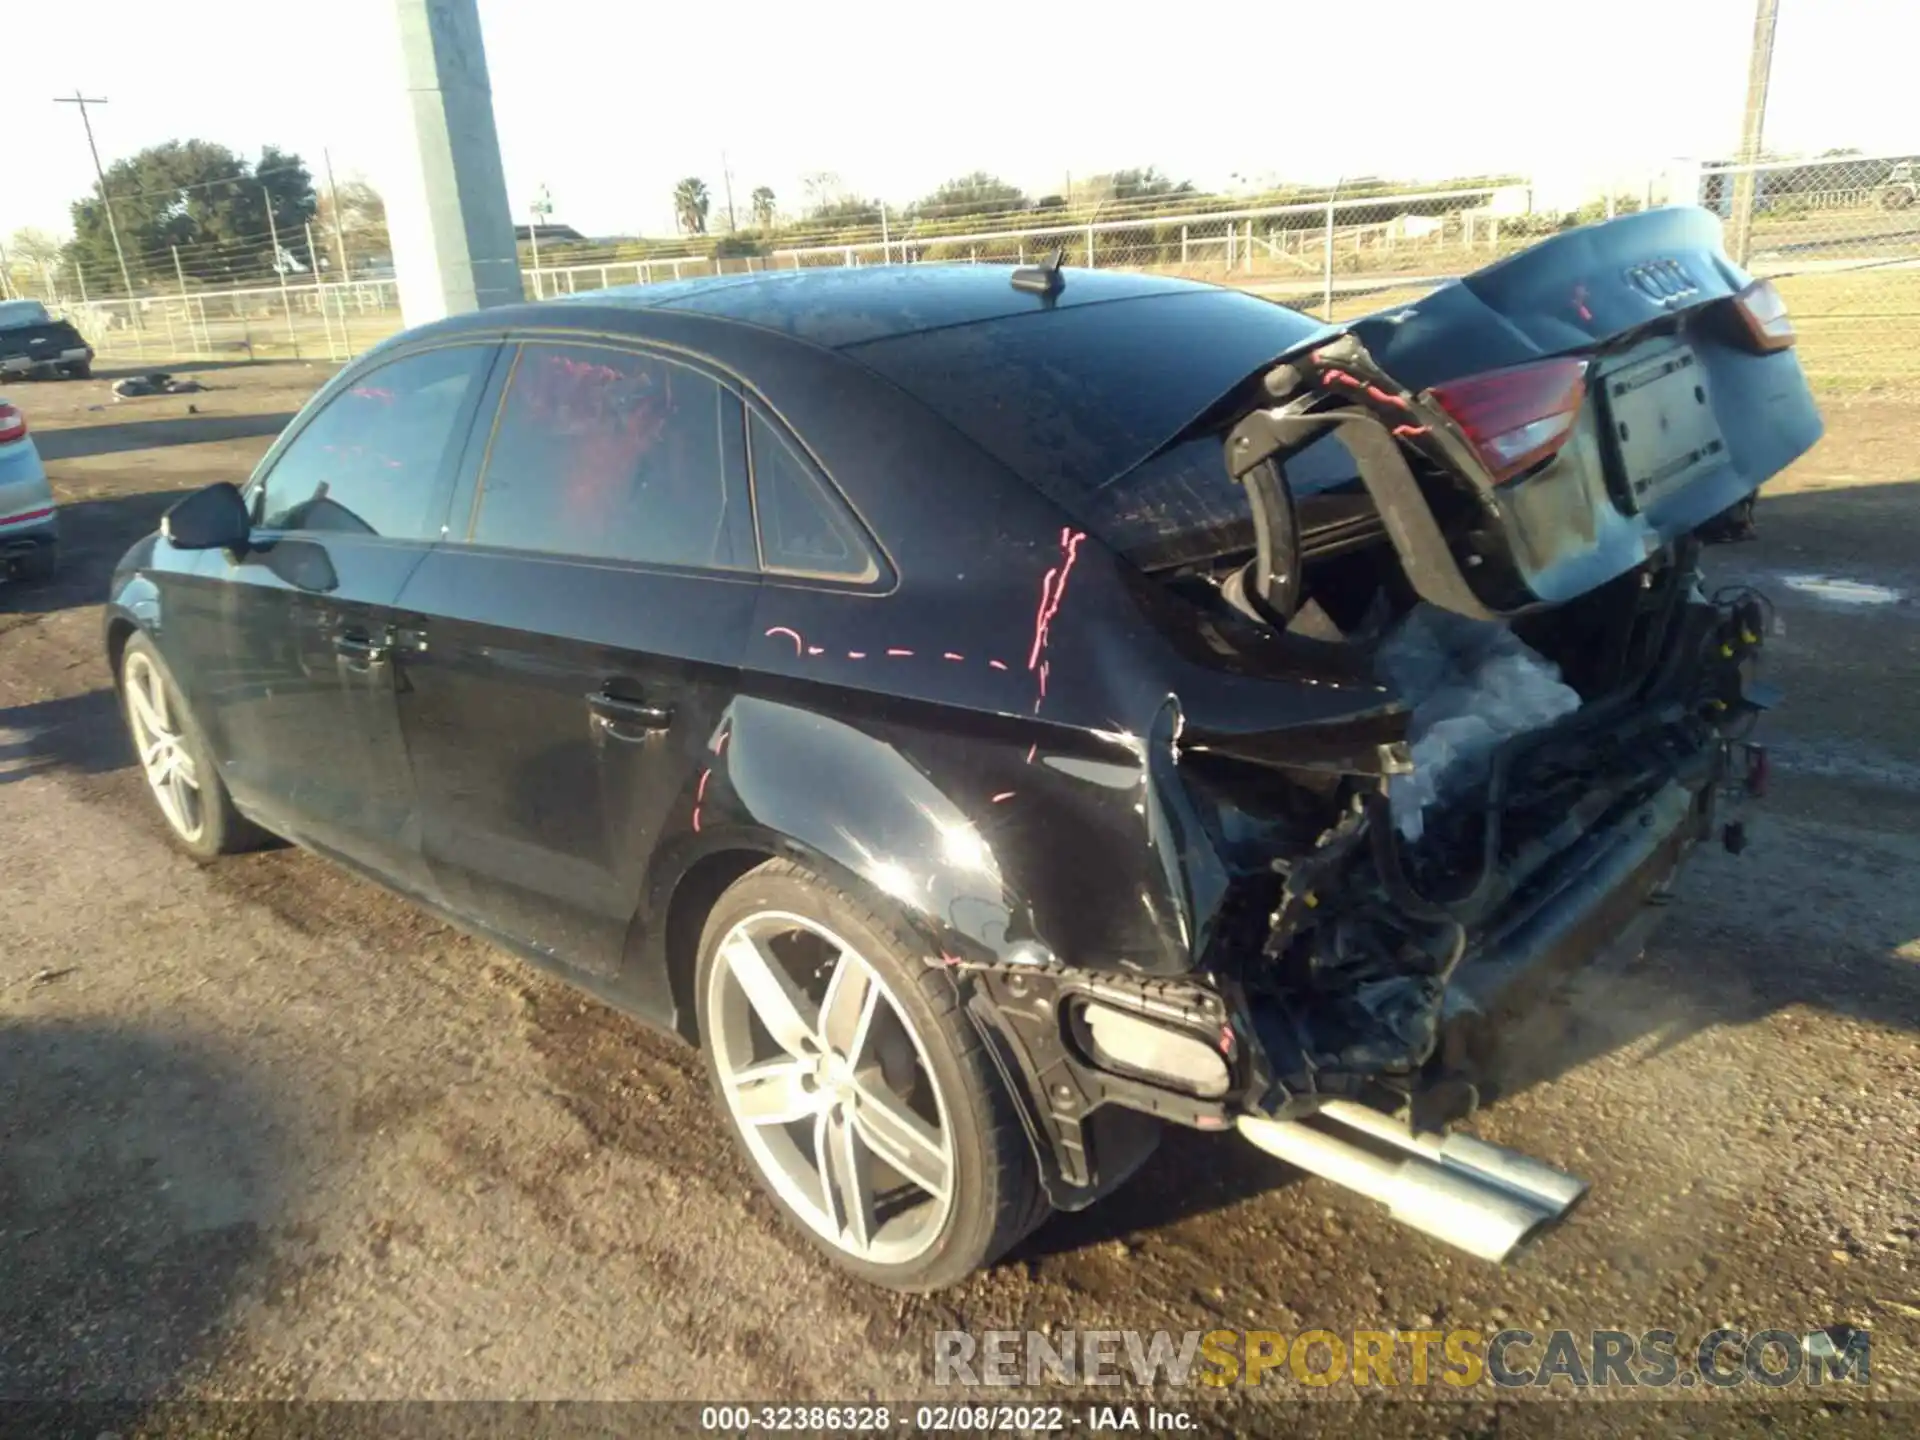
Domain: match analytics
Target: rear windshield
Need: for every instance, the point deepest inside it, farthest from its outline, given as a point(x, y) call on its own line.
point(1181, 507)
point(1072, 398)
point(15, 314)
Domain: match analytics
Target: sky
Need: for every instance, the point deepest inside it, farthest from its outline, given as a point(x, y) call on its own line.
point(608, 103)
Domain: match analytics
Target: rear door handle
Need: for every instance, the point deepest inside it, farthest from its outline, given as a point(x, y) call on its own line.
point(623, 718)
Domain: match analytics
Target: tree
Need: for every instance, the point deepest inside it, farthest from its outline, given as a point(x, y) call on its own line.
point(202, 198)
point(846, 212)
point(32, 255)
point(1144, 184)
point(690, 205)
point(363, 220)
point(975, 194)
point(763, 206)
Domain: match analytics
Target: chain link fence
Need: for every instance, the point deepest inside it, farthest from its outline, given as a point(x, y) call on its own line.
point(1840, 235)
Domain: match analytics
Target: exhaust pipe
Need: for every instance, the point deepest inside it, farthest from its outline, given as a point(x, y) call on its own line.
point(1480, 1198)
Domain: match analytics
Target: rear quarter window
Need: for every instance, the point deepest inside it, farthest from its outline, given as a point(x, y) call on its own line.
point(805, 529)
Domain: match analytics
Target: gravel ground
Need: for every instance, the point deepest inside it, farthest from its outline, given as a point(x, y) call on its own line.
point(270, 1132)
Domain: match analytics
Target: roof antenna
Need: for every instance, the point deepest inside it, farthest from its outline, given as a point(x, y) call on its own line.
point(1044, 278)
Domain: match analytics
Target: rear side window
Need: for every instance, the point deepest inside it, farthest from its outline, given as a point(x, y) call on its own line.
point(370, 462)
point(609, 454)
point(804, 530)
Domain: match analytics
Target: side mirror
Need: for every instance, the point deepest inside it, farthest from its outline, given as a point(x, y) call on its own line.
point(211, 519)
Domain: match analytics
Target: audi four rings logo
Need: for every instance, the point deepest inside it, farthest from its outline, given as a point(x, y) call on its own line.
point(1663, 281)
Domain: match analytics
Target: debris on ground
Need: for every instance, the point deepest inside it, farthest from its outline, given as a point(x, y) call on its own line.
point(135, 387)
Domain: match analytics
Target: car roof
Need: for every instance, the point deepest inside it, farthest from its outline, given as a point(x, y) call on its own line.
point(842, 307)
point(1068, 391)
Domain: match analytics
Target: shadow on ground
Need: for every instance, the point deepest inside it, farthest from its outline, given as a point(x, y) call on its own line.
point(76, 442)
point(135, 1185)
point(94, 534)
point(82, 733)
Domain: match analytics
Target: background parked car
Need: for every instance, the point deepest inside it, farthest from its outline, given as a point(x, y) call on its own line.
point(29, 520)
point(34, 344)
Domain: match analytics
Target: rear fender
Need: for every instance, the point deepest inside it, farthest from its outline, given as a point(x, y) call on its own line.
point(994, 844)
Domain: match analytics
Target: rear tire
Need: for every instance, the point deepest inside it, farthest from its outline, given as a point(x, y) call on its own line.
point(172, 752)
point(82, 371)
point(823, 1105)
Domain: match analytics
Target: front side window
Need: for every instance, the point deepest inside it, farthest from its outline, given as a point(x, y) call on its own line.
point(370, 462)
point(609, 454)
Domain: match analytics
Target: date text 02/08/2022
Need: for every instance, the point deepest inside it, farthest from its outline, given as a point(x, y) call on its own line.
point(939, 1419)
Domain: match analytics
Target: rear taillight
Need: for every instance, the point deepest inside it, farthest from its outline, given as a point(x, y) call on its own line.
point(1516, 418)
point(13, 425)
point(1764, 314)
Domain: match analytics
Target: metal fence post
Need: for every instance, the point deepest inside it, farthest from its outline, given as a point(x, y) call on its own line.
point(186, 300)
point(1246, 264)
point(1326, 304)
point(280, 269)
point(1184, 249)
point(320, 294)
point(1090, 245)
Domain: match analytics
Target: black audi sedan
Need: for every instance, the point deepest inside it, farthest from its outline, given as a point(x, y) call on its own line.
point(952, 698)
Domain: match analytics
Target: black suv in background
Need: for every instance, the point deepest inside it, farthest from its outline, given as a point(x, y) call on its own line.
point(38, 347)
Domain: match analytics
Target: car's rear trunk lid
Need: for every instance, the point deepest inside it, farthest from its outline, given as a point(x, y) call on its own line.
point(1627, 347)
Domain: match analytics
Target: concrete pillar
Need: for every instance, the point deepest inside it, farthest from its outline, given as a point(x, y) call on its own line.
point(451, 225)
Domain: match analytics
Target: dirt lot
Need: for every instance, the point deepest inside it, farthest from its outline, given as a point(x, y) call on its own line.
point(269, 1132)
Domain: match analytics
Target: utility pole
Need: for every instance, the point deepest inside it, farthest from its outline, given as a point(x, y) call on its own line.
point(451, 221)
point(1759, 70)
point(333, 199)
point(726, 180)
point(106, 200)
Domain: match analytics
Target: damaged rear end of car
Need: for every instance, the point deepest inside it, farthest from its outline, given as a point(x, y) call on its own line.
point(1489, 500)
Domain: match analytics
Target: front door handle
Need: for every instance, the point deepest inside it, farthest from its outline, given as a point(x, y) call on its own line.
point(360, 652)
point(627, 719)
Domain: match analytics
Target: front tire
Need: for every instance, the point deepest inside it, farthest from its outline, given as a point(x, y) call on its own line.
point(857, 1087)
point(82, 370)
point(172, 753)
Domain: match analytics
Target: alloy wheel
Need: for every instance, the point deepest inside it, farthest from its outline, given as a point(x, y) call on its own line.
point(830, 1087)
point(160, 739)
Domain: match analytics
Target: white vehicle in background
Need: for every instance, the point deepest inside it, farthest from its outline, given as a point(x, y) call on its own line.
point(29, 520)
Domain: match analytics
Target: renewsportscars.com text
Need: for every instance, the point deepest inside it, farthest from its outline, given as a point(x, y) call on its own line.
point(1462, 1359)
